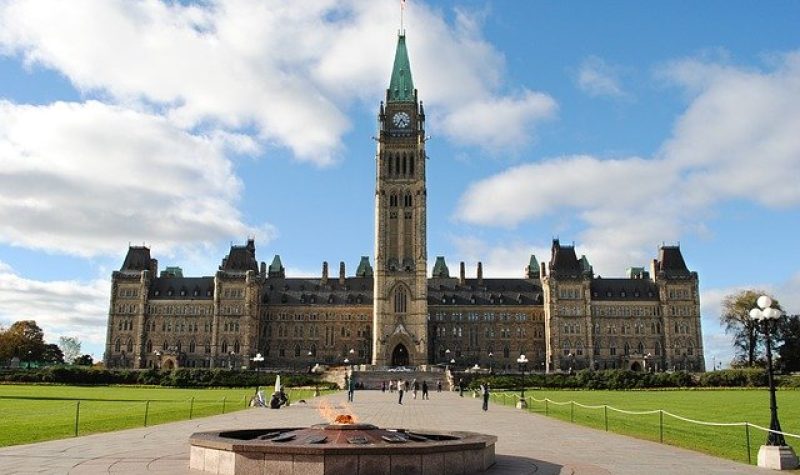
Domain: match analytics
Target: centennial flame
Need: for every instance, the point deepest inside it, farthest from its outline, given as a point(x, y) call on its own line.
point(340, 414)
point(344, 419)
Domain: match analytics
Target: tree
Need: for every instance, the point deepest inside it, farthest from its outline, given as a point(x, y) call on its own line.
point(789, 350)
point(23, 339)
point(736, 320)
point(71, 347)
point(84, 360)
point(52, 354)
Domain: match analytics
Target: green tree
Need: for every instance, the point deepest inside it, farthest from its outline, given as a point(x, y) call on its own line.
point(70, 346)
point(789, 349)
point(83, 360)
point(737, 322)
point(52, 354)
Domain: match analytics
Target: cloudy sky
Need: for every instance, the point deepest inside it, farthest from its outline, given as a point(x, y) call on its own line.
point(191, 125)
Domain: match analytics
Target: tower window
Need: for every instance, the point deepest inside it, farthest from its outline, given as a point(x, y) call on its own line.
point(407, 201)
point(400, 300)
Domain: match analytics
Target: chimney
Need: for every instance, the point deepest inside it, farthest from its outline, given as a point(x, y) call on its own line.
point(542, 269)
point(263, 269)
point(462, 278)
point(341, 273)
point(324, 280)
point(480, 273)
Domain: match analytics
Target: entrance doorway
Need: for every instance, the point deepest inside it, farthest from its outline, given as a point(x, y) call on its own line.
point(636, 367)
point(400, 355)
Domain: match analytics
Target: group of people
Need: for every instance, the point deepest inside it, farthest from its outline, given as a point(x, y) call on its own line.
point(402, 386)
point(279, 398)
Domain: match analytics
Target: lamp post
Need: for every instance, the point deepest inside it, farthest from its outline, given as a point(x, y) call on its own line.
point(522, 361)
point(571, 362)
point(491, 370)
point(775, 454)
point(230, 361)
point(352, 353)
point(257, 359)
point(646, 359)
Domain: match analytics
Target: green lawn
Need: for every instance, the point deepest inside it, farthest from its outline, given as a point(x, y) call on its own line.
point(32, 413)
point(723, 405)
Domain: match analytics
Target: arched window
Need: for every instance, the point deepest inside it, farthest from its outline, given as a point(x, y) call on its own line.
point(404, 164)
point(411, 165)
point(627, 348)
point(313, 350)
point(236, 346)
point(296, 350)
point(407, 201)
point(149, 346)
point(117, 345)
point(129, 346)
point(397, 165)
point(690, 348)
point(208, 347)
point(566, 348)
point(506, 352)
point(658, 348)
point(579, 348)
point(191, 346)
point(179, 346)
point(400, 300)
point(640, 348)
point(224, 346)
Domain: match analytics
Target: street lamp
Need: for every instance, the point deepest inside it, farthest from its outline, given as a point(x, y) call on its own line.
point(257, 359)
point(491, 370)
point(230, 362)
point(646, 359)
point(522, 361)
point(571, 361)
point(775, 454)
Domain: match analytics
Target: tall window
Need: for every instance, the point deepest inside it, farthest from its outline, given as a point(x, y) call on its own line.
point(191, 346)
point(400, 300)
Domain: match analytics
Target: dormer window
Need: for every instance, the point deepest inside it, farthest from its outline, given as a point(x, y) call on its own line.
point(170, 292)
point(444, 299)
point(157, 292)
point(183, 292)
point(608, 293)
point(472, 299)
point(622, 294)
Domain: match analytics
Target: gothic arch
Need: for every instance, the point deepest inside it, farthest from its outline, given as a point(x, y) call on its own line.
point(401, 295)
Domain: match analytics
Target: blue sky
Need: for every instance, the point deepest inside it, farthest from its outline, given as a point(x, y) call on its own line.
point(189, 126)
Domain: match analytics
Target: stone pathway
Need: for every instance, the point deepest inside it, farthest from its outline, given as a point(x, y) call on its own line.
point(527, 443)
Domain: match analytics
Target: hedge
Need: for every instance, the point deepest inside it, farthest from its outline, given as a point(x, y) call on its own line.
point(621, 379)
point(183, 377)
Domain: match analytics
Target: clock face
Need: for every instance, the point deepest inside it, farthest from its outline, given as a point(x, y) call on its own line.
point(401, 119)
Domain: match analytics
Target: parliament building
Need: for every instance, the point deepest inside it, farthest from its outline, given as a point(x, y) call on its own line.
point(558, 313)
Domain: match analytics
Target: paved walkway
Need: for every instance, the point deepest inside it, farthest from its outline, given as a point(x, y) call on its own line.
point(527, 443)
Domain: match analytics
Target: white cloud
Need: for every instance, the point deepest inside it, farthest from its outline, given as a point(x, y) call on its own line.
point(737, 140)
point(287, 69)
point(87, 178)
point(597, 78)
point(60, 308)
point(497, 123)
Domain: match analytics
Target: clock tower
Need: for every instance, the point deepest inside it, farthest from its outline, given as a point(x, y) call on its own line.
point(400, 294)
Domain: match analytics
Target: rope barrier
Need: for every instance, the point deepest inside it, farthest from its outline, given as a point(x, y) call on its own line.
point(661, 412)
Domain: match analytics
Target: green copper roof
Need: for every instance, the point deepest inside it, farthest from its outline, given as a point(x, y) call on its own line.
point(401, 87)
point(440, 268)
point(585, 266)
point(533, 268)
point(172, 272)
point(276, 268)
point(364, 267)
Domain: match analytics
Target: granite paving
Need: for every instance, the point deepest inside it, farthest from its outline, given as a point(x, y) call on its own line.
point(527, 443)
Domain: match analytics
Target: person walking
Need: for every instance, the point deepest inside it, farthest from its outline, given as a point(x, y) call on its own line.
point(485, 394)
point(400, 390)
point(383, 386)
point(425, 390)
point(351, 388)
point(416, 388)
point(438, 386)
point(461, 387)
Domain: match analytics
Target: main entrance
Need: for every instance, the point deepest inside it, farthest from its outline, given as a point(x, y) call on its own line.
point(400, 355)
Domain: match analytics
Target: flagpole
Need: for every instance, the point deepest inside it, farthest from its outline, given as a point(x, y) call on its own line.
point(402, 8)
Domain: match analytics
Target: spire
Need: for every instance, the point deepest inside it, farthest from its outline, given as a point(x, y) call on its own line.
point(401, 86)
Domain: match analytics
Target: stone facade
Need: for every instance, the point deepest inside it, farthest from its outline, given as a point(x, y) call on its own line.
point(559, 314)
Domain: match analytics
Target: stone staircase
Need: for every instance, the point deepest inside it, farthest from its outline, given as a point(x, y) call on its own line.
point(373, 378)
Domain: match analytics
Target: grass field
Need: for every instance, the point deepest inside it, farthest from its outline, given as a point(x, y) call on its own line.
point(723, 405)
point(32, 413)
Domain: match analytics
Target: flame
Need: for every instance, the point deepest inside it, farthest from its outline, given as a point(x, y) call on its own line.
point(337, 413)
